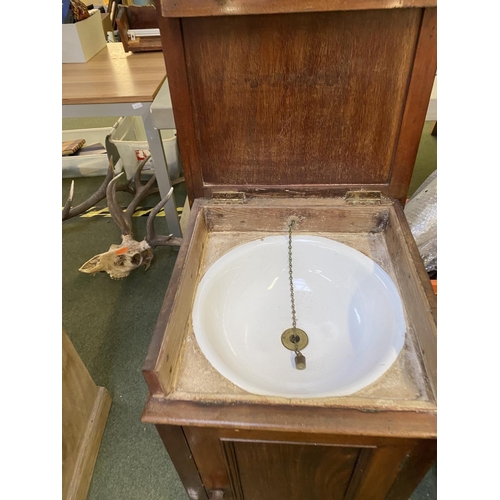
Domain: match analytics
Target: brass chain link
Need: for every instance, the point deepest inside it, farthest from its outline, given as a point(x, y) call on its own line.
point(290, 274)
point(296, 336)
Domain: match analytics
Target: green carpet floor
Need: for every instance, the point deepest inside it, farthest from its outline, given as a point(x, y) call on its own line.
point(110, 324)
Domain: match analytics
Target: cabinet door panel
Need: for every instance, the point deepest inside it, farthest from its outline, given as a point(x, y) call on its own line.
point(270, 471)
point(250, 465)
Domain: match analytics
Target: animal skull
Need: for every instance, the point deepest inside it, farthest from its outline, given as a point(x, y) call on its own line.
point(120, 260)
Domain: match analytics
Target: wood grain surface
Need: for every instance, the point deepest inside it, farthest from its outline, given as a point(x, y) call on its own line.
point(379, 472)
point(416, 287)
point(189, 8)
point(171, 37)
point(303, 99)
point(251, 464)
point(113, 76)
point(138, 17)
point(268, 471)
point(293, 101)
point(161, 364)
point(313, 420)
point(178, 449)
point(413, 469)
point(85, 408)
point(417, 101)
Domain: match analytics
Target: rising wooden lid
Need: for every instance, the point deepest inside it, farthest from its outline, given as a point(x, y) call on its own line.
point(292, 103)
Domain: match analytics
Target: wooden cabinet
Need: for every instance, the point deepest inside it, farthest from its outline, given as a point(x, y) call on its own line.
point(375, 444)
point(248, 465)
point(284, 108)
point(85, 408)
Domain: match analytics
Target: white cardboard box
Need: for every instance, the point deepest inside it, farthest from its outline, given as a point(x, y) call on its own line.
point(82, 40)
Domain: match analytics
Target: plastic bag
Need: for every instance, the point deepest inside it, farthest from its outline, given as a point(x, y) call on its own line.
point(421, 213)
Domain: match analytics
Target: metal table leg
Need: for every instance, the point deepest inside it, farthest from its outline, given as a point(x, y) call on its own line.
point(161, 171)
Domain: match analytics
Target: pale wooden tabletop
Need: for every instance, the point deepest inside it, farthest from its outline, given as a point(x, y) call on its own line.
point(113, 76)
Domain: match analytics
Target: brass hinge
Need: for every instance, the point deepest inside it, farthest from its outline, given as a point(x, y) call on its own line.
point(228, 196)
point(363, 197)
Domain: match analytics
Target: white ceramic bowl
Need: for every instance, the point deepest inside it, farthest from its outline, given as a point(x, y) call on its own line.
point(346, 303)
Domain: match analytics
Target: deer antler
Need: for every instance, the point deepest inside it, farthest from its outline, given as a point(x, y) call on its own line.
point(121, 259)
point(69, 211)
point(151, 237)
point(124, 219)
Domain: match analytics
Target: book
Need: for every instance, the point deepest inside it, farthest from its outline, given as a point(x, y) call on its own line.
point(91, 149)
point(70, 147)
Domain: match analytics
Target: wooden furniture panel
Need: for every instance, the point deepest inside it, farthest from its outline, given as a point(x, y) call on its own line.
point(262, 107)
point(138, 17)
point(411, 472)
point(178, 449)
point(415, 284)
point(171, 37)
point(345, 73)
point(259, 465)
point(85, 408)
point(278, 112)
point(189, 8)
point(292, 471)
point(417, 101)
point(400, 440)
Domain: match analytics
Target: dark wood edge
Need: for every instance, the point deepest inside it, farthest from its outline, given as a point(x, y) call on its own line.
point(149, 368)
point(381, 470)
point(122, 100)
point(417, 100)
point(178, 83)
point(341, 421)
point(89, 446)
point(320, 190)
point(416, 258)
point(419, 460)
point(122, 25)
point(232, 468)
point(434, 131)
point(192, 8)
point(179, 451)
point(336, 440)
point(428, 347)
point(365, 455)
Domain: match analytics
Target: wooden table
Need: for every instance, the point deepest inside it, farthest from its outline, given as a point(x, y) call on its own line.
point(116, 83)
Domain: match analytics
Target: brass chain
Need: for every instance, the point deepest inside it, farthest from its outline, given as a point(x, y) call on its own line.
point(290, 274)
point(297, 336)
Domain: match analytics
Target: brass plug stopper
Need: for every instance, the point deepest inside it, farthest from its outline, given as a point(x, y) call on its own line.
point(300, 361)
